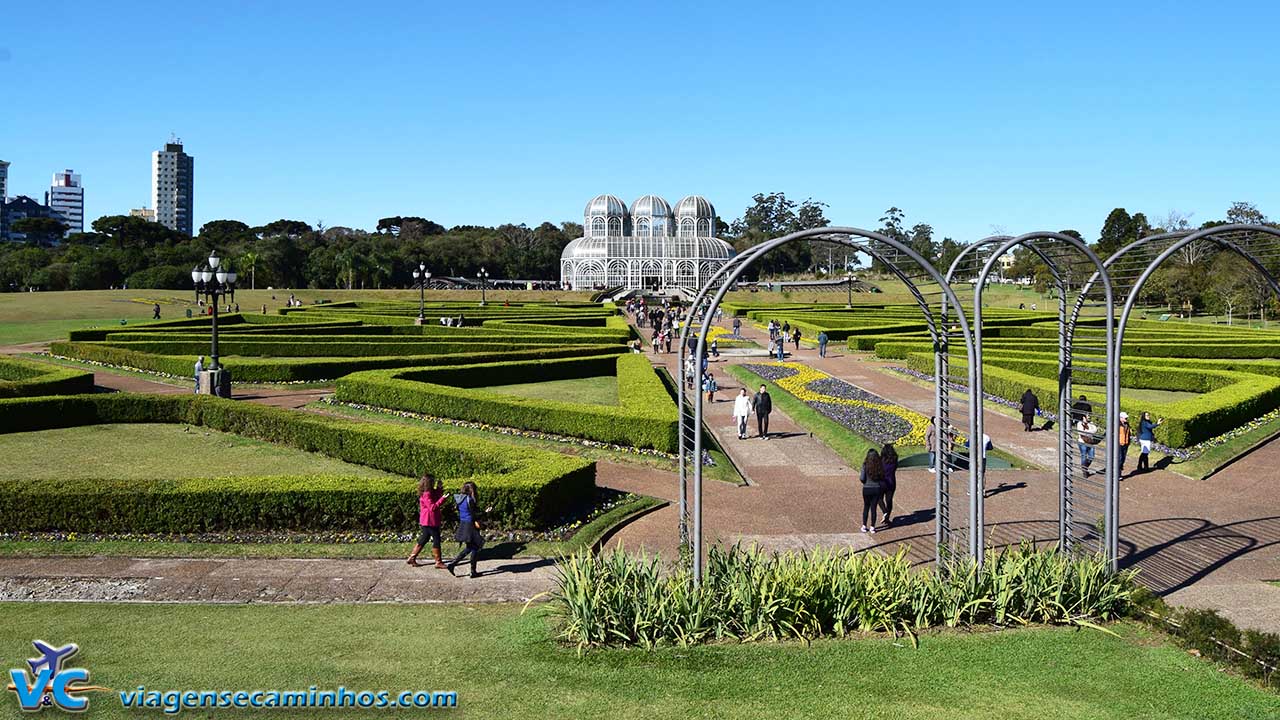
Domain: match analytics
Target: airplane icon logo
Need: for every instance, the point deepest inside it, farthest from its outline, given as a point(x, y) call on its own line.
point(50, 657)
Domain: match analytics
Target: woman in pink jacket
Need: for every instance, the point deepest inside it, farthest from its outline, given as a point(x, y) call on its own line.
point(431, 498)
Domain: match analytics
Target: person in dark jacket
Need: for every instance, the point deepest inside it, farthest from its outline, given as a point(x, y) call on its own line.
point(1081, 409)
point(889, 459)
point(763, 405)
point(1030, 404)
point(871, 477)
point(468, 527)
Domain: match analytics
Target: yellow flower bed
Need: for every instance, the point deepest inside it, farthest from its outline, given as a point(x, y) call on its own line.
point(798, 385)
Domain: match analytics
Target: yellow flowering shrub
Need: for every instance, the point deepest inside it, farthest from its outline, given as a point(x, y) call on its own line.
point(798, 385)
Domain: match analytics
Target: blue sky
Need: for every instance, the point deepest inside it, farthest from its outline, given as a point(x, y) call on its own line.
point(1024, 116)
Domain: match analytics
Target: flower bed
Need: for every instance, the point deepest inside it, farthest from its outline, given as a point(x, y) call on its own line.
point(866, 414)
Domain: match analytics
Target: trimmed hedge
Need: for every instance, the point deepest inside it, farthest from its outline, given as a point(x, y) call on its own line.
point(527, 488)
point(1229, 399)
point(645, 417)
point(304, 369)
point(23, 378)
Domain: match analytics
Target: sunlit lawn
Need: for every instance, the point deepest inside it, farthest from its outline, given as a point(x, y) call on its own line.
point(502, 665)
point(601, 390)
point(156, 450)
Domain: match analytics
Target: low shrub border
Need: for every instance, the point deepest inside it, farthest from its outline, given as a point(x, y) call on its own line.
point(296, 369)
point(24, 378)
point(527, 488)
point(644, 418)
point(1253, 654)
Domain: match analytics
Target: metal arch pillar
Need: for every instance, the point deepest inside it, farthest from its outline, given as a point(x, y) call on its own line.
point(844, 236)
point(977, 501)
point(1182, 238)
point(1066, 338)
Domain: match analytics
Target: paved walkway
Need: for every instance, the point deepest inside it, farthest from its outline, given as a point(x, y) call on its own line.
point(244, 580)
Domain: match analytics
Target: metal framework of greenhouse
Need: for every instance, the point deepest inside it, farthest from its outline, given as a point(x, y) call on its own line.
point(1095, 301)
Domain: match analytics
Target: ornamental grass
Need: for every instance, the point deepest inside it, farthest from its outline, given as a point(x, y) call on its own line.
point(617, 599)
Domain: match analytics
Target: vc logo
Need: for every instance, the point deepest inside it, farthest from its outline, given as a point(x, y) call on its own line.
point(48, 683)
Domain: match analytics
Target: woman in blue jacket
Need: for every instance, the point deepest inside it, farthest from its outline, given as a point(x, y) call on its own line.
point(468, 527)
point(1146, 436)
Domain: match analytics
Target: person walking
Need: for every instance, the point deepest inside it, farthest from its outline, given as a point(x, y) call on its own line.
point(431, 498)
point(1030, 404)
point(155, 312)
point(822, 343)
point(871, 476)
point(737, 326)
point(889, 459)
point(1088, 441)
point(763, 405)
point(795, 337)
point(1081, 409)
point(1124, 436)
point(741, 412)
point(1146, 438)
point(782, 348)
point(468, 532)
point(199, 369)
point(931, 443)
point(786, 328)
point(709, 385)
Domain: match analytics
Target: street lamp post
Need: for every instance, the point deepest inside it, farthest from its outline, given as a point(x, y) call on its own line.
point(484, 275)
point(422, 276)
point(215, 281)
point(848, 286)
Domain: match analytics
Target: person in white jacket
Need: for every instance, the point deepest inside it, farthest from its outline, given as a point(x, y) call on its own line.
point(742, 411)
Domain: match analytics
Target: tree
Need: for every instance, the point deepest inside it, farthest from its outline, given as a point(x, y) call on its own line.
point(1230, 284)
point(948, 251)
point(249, 260)
point(42, 231)
point(1117, 231)
point(1245, 213)
point(224, 233)
point(286, 228)
point(921, 240)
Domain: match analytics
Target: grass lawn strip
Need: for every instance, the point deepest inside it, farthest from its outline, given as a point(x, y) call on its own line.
point(143, 451)
point(501, 664)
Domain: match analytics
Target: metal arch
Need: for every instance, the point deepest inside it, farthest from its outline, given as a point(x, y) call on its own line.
point(1066, 337)
point(1206, 233)
point(843, 236)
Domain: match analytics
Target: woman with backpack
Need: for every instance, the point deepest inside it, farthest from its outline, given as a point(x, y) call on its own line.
point(468, 527)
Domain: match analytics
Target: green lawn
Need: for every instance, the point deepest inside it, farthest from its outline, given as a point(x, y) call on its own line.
point(32, 317)
point(143, 451)
point(601, 390)
point(502, 665)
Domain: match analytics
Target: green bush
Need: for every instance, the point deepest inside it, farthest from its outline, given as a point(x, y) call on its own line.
point(527, 488)
point(747, 595)
point(645, 416)
point(23, 378)
point(304, 369)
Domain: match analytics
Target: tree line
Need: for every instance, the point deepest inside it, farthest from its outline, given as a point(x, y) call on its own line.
point(123, 250)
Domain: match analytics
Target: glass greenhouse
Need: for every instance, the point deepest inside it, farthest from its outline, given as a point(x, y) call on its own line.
point(648, 246)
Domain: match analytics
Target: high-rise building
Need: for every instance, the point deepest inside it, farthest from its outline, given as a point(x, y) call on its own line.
point(4, 181)
point(66, 201)
point(172, 187)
